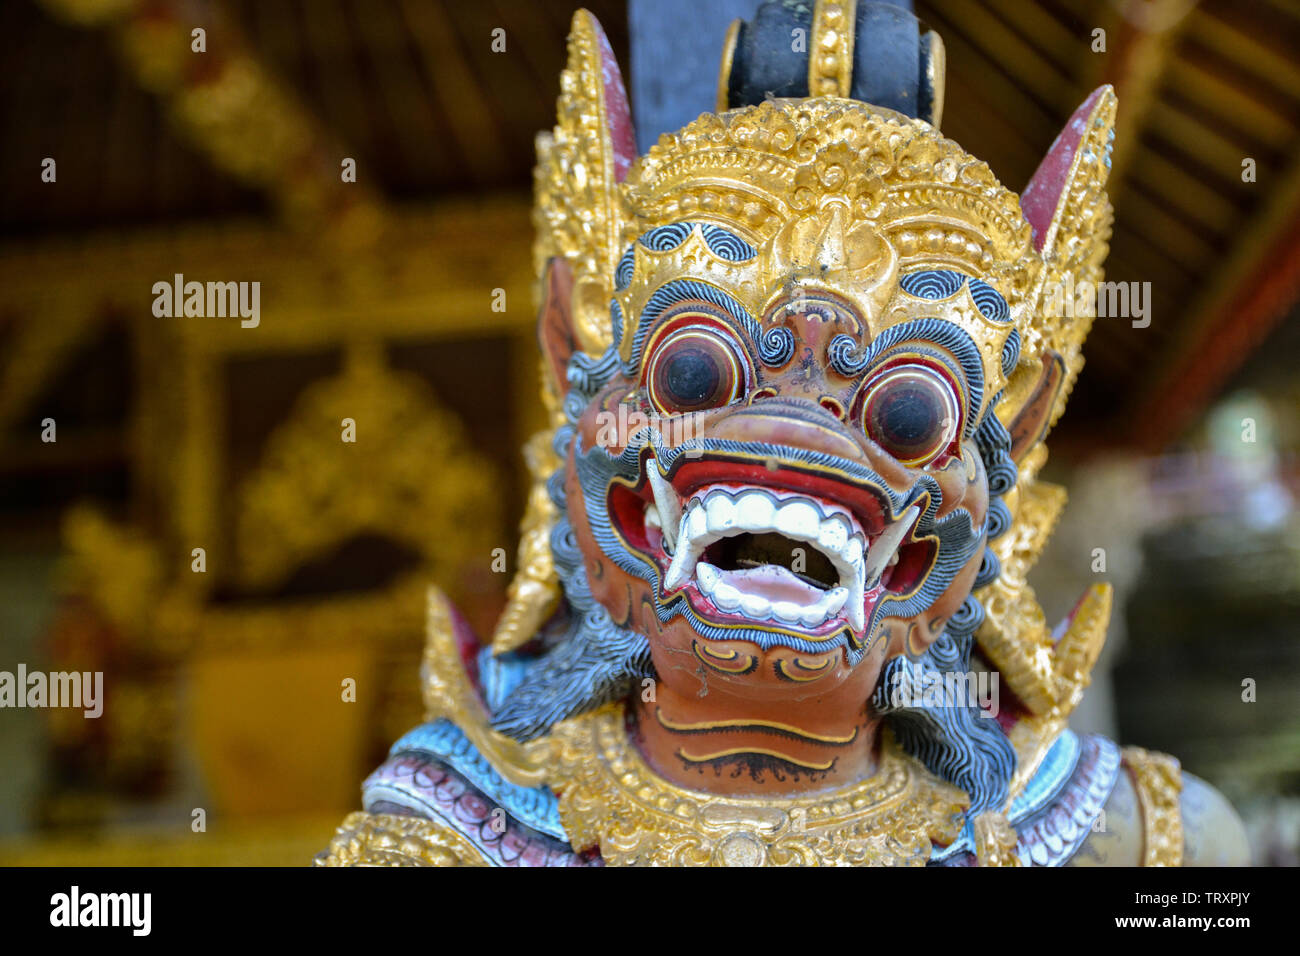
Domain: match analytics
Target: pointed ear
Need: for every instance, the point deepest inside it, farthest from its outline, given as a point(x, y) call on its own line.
point(555, 324)
point(1040, 389)
point(1070, 217)
point(618, 136)
point(578, 207)
point(1073, 171)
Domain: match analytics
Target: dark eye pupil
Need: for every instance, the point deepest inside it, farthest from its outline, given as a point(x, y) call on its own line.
point(911, 415)
point(691, 376)
point(693, 369)
point(908, 416)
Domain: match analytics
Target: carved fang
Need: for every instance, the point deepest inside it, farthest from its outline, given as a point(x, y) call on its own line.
point(669, 508)
point(886, 545)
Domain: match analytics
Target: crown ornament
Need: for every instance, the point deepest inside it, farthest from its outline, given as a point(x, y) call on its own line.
point(840, 196)
point(755, 169)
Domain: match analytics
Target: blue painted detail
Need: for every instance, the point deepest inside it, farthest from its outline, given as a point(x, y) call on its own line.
point(776, 347)
point(721, 242)
point(1010, 352)
point(536, 807)
point(623, 274)
point(616, 322)
point(588, 375)
point(1052, 774)
point(989, 300)
point(932, 283)
point(666, 238)
point(936, 284)
point(727, 245)
point(1051, 839)
point(499, 675)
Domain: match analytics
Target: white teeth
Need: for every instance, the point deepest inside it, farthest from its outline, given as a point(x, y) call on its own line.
point(722, 512)
point(697, 522)
point(857, 612)
point(708, 576)
point(727, 597)
point(730, 598)
point(666, 501)
point(787, 611)
point(826, 607)
point(683, 563)
point(798, 519)
point(679, 571)
point(834, 600)
point(755, 512)
point(834, 535)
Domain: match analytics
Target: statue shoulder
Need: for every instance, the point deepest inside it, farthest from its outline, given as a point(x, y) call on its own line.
point(380, 839)
point(453, 791)
point(1213, 834)
point(1091, 802)
point(437, 775)
point(1157, 815)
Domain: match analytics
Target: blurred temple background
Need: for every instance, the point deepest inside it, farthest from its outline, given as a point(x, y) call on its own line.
point(403, 301)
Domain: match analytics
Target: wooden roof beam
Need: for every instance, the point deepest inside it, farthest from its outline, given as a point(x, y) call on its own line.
point(228, 105)
point(1140, 37)
point(1246, 52)
point(1254, 289)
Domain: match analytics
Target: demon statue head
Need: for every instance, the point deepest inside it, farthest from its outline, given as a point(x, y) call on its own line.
point(797, 356)
point(771, 604)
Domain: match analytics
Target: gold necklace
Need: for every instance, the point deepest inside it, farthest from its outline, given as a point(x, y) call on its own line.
point(609, 797)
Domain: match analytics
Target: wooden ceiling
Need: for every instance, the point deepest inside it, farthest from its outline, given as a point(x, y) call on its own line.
point(1206, 86)
point(414, 91)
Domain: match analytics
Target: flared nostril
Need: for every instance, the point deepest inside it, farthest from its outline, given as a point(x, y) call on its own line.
point(769, 402)
point(833, 406)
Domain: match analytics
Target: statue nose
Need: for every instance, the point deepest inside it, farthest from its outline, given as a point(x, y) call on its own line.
point(827, 404)
point(790, 420)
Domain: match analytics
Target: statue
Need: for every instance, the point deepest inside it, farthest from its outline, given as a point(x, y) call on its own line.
point(771, 605)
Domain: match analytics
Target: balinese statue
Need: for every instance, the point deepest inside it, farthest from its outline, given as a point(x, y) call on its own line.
point(771, 604)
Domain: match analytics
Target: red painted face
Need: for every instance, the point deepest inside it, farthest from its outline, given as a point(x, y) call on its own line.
point(789, 527)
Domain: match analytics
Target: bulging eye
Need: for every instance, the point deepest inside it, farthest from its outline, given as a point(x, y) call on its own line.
point(911, 412)
point(693, 369)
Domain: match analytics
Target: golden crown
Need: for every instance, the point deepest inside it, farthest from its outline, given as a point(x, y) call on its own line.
point(758, 169)
point(833, 194)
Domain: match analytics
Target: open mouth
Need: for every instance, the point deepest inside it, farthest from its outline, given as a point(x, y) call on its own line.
point(752, 554)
